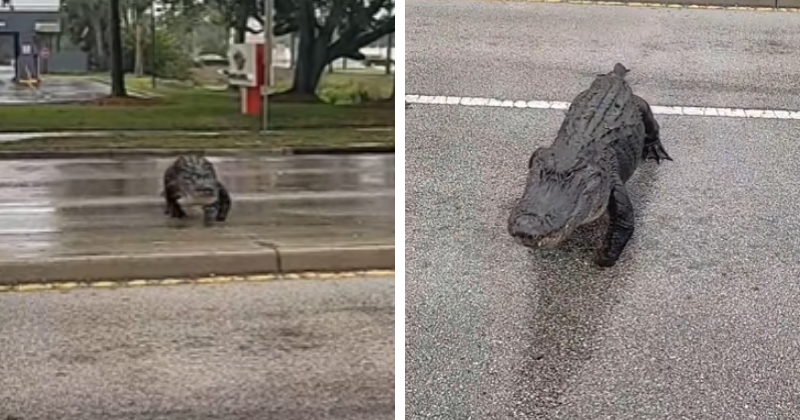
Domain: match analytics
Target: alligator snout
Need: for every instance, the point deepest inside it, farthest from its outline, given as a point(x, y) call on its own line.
point(529, 231)
point(198, 196)
point(205, 191)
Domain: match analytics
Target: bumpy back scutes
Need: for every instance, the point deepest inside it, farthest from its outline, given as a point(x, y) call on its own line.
point(194, 164)
point(598, 109)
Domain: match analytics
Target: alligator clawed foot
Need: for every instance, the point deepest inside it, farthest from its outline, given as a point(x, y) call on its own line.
point(655, 151)
point(603, 260)
point(658, 159)
point(178, 215)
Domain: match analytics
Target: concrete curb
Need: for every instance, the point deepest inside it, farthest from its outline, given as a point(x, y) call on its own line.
point(333, 259)
point(366, 148)
point(29, 135)
point(120, 268)
point(132, 92)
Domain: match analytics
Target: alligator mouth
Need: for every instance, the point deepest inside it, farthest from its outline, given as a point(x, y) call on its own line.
point(550, 241)
point(198, 200)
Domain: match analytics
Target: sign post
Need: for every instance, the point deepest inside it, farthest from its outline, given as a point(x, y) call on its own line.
point(41, 61)
point(245, 71)
point(267, 63)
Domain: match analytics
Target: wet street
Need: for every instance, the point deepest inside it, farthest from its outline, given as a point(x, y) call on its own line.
point(301, 349)
point(700, 319)
point(52, 89)
point(68, 208)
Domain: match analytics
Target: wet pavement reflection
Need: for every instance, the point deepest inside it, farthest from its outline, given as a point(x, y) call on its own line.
point(52, 208)
point(51, 90)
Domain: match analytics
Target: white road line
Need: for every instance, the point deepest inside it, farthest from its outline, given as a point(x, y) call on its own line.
point(658, 110)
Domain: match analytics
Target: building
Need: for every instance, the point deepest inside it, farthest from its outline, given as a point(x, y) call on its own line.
point(29, 28)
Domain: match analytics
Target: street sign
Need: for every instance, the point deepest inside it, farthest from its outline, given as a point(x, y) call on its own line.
point(242, 65)
point(44, 52)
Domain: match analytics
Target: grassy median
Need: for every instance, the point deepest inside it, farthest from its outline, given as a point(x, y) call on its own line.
point(197, 108)
point(301, 140)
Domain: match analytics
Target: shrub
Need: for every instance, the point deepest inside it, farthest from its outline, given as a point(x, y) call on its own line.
point(171, 59)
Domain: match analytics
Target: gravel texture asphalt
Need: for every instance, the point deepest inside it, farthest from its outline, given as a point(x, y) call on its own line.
point(518, 50)
point(276, 350)
point(701, 317)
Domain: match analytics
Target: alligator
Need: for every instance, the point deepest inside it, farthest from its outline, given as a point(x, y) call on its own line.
point(191, 181)
point(607, 132)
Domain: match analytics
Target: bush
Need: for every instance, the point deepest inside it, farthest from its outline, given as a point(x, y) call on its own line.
point(347, 91)
point(171, 60)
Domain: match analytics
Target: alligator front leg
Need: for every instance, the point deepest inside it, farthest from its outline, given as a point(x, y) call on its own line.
point(173, 208)
point(653, 149)
point(620, 229)
point(223, 203)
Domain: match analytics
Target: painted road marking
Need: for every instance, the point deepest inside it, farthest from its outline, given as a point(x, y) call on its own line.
point(662, 5)
point(39, 287)
point(780, 114)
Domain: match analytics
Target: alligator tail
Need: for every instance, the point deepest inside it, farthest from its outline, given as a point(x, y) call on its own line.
point(655, 151)
point(620, 70)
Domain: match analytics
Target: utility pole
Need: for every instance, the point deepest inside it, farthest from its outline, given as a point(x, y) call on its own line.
point(153, 80)
point(267, 65)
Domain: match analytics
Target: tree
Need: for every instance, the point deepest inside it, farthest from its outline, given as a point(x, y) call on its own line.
point(87, 26)
point(329, 30)
point(135, 17)
point(117, 71)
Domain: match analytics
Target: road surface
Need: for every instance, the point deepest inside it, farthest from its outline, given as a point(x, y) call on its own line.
point(73, 207)
point(282, 350)
point(701, 317)
point(52, 89)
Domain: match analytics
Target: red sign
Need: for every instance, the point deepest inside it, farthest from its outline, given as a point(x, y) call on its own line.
point(44, 52)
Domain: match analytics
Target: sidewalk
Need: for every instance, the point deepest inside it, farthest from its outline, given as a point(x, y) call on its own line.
point(102, 219)
point(160, 253)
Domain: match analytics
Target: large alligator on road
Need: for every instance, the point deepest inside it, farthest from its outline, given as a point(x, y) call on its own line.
point(607, 132)
point(191, 181)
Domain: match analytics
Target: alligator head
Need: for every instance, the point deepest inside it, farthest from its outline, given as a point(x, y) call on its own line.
point(196, 182)
point(561, 193)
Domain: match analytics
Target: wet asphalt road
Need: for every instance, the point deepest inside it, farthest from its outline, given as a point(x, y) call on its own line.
point(52, 89)
point(58, 208)
point(701, 317)
point(281, 350)
point(550, 51)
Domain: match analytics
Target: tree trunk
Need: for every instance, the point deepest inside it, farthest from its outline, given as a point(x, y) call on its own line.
point(311, 60)
point(138, 63)
point(101, 58)
point(240, 25)
point(308, 72)
point(117, 71)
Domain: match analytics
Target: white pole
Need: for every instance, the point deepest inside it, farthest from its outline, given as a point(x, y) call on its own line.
point(267, 64)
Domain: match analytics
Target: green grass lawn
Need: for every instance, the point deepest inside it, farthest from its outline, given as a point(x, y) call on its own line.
point(301, 139)
point(190, 109)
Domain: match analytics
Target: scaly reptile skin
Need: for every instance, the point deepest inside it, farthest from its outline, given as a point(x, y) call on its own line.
point(193, 180)
point(607, 132)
